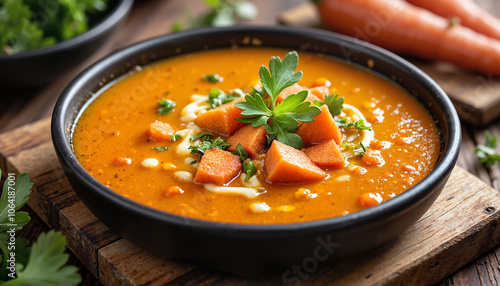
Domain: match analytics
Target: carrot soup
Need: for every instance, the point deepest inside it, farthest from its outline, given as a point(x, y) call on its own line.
point(245, 135)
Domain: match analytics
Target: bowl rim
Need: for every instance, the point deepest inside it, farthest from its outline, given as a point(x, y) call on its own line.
point(398, 204)
point(110, 20)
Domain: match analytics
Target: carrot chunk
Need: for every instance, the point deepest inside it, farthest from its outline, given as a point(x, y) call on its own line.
point(295, 88)
point(285, 164)
point(121, 161)
point(222, 118)
point(373, 158)
point(327, 155)
point(160, 131)
point(252, 140)
point(173, 191)
point(217, 167)
point(321, 130)
point(320, 91)
point(370, 199)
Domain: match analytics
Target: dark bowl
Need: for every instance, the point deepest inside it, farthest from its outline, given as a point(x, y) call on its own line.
point(34, 68)
point(253, 249)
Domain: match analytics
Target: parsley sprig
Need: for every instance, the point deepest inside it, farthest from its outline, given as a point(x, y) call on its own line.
point(45, 260)
point(166, 106)
point(359, 124)
point(334, 103)
point(217, 97)
point(248, 167)
point(207, 143)
point(284, 117)
point(486, 153)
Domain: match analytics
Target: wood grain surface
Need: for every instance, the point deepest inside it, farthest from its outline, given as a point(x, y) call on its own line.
point(154, 17)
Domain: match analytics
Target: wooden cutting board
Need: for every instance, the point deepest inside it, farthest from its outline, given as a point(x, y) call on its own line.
point(459, 227)
point(476, 97)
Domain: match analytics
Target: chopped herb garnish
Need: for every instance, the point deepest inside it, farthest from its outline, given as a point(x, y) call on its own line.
point(334, 103)
point(360, 124)
point(486, 153)
point(174, 137)
point(193, 162)
point(240, 151)
point(213, 78)
point(209, 144)
point(249, 169)
point(217, 97)
point(166, 106)
point(361, 150)
point(202, 135)
point(160, 149)
point(284, 116)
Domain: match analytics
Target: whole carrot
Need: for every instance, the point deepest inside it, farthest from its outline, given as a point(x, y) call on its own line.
point(406, 29)
point(470, 14)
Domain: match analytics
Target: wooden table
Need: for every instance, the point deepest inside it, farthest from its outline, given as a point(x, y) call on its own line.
point(151, 18)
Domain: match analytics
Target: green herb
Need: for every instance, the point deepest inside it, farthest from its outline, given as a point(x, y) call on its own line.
point(360, 124)
point(286, 115)
point(221, 13)
point(217, 97)
point(24, 29)
point(213, 78)
point(486, 153)
point(46, 263)
point(334, 103)
point(166, 106)
point(202, 135)
point(361, 150)
point(161, 149)
point(249, 169)
point(175, 137)
point(240, 151)
point(207, 145)
point(193, 162)
point(41, 263)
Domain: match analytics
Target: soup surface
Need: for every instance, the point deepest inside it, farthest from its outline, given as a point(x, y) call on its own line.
point(116, 140)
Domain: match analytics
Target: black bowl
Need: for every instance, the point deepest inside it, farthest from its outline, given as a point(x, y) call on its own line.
point(252, 249)
point(37, 67)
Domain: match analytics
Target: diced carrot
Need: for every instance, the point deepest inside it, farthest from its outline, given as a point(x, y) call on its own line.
point(160, 131)
point(285, 164)
point(173, 191)
point(373, 158)
point(252, 140)
point(295, 88)
point(322, 81)
point(122, 161)
point(327, 155)
point(222, 118)
point(321, 130)
point(217, 167)
point(320, 91)
point(370, 199)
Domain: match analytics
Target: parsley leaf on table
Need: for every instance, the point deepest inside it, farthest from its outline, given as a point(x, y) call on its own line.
point(22, 189)
point(166, 106)
point(486, 153)
point(284, 116)
point(45, 265)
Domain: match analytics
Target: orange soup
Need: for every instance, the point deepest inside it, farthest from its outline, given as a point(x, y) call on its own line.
point(360, 140)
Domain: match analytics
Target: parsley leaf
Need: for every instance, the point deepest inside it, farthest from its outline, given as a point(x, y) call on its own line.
point(286, 115)
point(174, 137)
point(334, 103)
point(161, 149)
point(359, 124)
point(240, 151)
point(213, 78)
point(486, 153)
point(207, 143)
point(361, 150)
point(166, 106)
point(217, 97)
point(46, 263)
point(21, 189)
point(249, 169)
